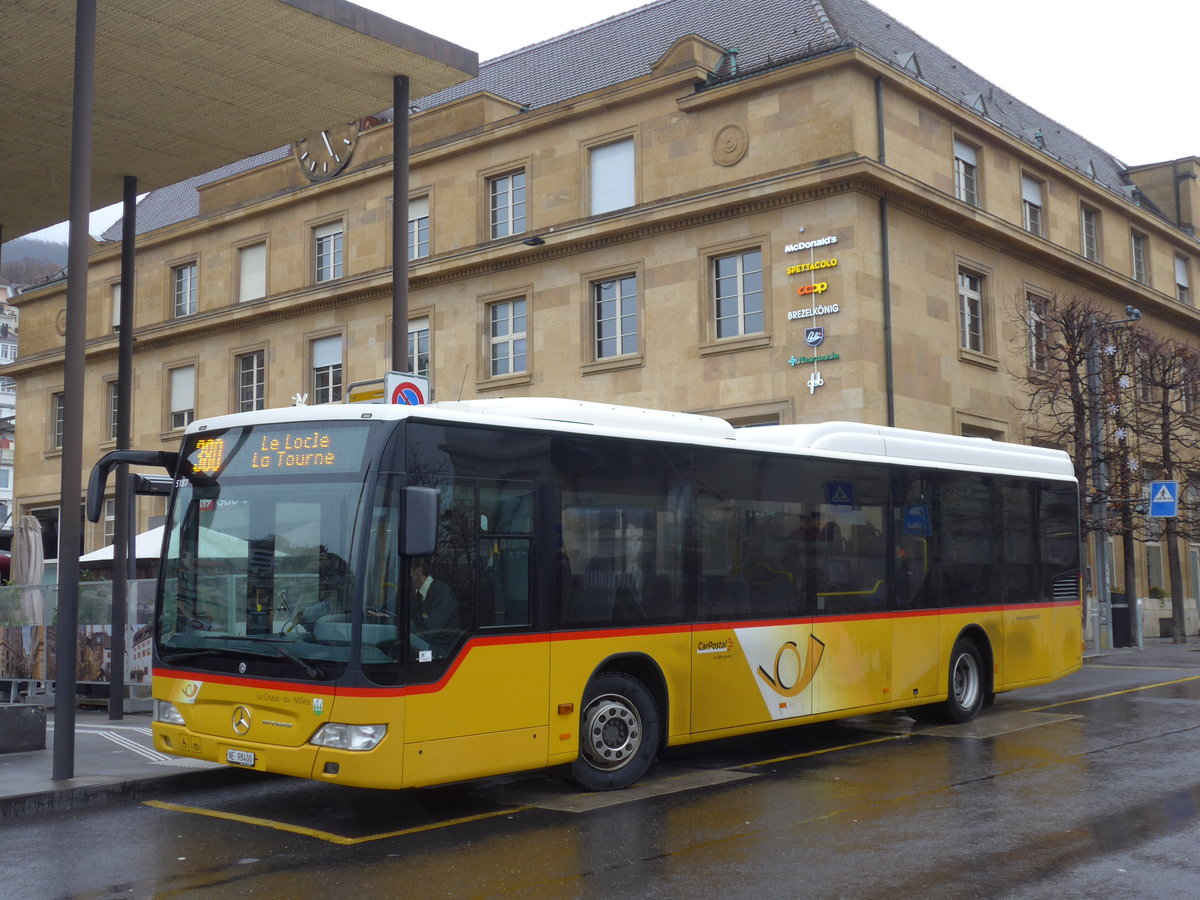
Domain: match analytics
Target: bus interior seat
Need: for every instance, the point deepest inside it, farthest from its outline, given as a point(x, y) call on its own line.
point(595, 597)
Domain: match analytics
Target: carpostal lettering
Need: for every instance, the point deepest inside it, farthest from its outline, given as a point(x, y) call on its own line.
point(723, 646)
point(812, 311)
point(809, 245)
point(294, 451)
point(812, 266)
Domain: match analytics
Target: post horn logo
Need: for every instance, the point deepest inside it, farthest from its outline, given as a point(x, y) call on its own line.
point(807, 668)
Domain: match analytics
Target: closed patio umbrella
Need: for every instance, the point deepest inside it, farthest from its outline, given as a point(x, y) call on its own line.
point(27, 567)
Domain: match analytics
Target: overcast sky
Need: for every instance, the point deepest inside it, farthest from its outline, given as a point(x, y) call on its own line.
point(1088, 64)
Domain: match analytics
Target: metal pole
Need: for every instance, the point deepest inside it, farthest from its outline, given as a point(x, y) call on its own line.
point(70, 522)
point(122, 548)
point(400, 223)
point(1100, 485)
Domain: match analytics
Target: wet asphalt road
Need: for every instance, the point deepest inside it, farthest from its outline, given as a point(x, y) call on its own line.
point(1086, 788)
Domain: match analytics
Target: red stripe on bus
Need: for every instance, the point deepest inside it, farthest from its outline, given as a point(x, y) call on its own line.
point(499, 640)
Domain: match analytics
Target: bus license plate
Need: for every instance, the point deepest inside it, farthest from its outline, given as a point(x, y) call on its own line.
point(239, 757)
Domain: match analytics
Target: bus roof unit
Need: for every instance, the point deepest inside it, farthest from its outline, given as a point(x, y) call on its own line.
point(904, 445)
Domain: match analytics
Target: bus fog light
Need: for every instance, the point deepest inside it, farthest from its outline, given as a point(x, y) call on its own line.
point(349, 737)
point(165, 711)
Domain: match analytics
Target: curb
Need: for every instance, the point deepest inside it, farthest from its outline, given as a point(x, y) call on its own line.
point(137, 789)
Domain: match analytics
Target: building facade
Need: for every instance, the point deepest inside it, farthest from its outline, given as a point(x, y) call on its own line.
point(835, 220)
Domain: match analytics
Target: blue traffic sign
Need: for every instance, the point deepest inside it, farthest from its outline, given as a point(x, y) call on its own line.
point(1164, 499)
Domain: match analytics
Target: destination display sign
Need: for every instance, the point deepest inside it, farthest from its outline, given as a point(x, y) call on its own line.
point(279, 450)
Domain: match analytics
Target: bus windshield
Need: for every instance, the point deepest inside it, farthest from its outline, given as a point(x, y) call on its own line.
point(261, 549)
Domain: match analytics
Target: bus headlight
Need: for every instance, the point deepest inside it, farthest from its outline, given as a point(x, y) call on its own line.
point(349, 737)
point(165, 711)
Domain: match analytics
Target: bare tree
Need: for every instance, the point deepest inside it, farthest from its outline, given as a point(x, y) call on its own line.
point(1166, 418)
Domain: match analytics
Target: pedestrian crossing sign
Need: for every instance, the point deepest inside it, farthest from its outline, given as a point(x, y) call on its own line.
point(1164, 499)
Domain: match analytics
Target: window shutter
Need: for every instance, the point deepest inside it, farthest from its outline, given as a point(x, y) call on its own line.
point(327, 229)
point(252, 263)
point(183, 389)
point(1031, 190)
point(1181, 277)
point(965, 152)
point(327, 351)
point(612, 176)
point(418, 208)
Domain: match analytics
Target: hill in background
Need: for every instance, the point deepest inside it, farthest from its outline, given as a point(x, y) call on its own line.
point(26, 260)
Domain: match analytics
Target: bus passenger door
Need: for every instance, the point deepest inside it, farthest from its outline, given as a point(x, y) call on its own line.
point(479, 706)
point(916, 622)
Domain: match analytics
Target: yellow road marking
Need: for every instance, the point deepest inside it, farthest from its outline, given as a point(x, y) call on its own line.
point(325, 835)
point(767, 762)
point(1138, 668)
point(1132, 690)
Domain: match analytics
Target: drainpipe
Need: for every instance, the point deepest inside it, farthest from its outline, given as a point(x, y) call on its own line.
point(885, 266)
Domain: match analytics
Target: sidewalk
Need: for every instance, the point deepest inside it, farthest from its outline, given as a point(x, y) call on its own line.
point(117, 760)
point(113, 760)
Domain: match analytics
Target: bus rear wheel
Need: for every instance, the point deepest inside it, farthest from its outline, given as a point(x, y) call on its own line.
point(967, 694)
point(967, 689)
point(618, 733)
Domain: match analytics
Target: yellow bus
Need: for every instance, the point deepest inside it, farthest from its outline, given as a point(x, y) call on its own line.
point(392, 596)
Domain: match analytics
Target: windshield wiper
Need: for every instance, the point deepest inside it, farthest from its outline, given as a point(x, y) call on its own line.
point(310, 670)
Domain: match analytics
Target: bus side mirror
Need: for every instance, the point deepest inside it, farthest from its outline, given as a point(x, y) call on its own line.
point(419, 518)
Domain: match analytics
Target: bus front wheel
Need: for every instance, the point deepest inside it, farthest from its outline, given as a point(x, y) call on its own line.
point(618, 733)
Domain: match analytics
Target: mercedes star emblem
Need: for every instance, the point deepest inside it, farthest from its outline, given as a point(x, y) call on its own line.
point(241, 720)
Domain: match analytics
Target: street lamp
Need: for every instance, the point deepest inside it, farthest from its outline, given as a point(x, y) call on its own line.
point(1100, 476)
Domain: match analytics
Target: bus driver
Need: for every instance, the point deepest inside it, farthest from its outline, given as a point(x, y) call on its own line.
point(435, 620)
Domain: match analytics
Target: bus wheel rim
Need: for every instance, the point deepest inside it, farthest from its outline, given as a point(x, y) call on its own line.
point(612, 732)
point(966, 681)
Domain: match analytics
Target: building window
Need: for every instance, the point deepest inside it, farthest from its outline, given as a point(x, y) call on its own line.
point(185, 288)
point(328, 251)
point(1138, 249)
point(418, 347)
point(506, 337)
point(418, 227)
point(738, 292)
point(327, 369)
point(57, 417)
point(612, 176)
point(507, 204)
point(1031, 204)
point(8, 385)
point(1089, 224)
point(252, 381)
point(183, 396)
point(113, 394)
point(115, 294)
point(1191, 397)
point(1182, 286)
point(110, 521)
point(615, 305)
point(252, 272)
point(8, 351)
point(1039, 332)
point(966, 169)
point(970, 311)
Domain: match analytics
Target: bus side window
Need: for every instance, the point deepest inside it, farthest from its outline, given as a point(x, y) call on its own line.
point(504, 589)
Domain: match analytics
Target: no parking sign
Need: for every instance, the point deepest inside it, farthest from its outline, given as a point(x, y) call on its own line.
point(406, 389)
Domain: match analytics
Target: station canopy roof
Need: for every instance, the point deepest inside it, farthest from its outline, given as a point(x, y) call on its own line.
point(185, 86)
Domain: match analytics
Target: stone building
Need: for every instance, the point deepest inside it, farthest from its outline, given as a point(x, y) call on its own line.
point(770, 213)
